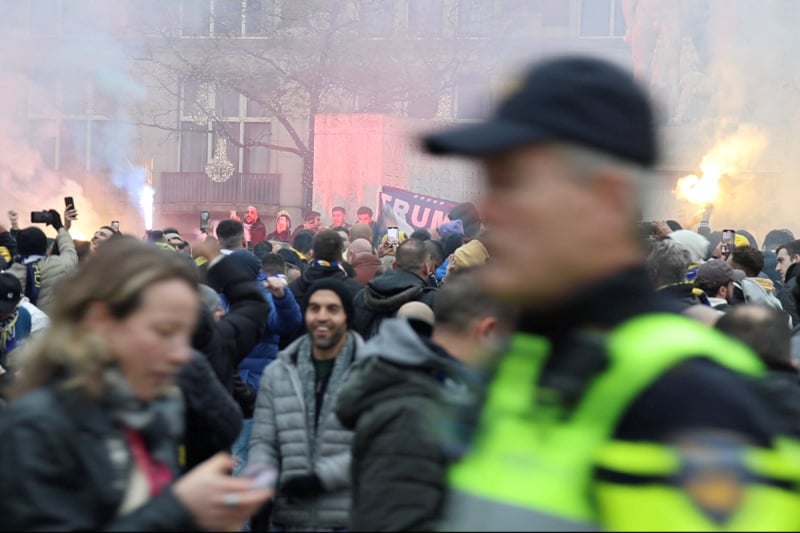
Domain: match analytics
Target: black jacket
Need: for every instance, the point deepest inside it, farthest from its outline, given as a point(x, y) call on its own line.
point(64, 466)
point(393, 401)
point(384, 295)
point(227, 342)
point(782, 386)
point(213, 418)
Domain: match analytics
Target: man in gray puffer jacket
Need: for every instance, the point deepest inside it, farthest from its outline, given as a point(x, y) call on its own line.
point(295, 428)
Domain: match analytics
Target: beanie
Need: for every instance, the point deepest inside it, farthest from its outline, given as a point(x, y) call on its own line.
point(330, 284)
point(209, 298)
point(454, 226)
point(696, 244)
point(31, 241)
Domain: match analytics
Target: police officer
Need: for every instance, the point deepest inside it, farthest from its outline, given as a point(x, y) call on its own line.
point(607, 411)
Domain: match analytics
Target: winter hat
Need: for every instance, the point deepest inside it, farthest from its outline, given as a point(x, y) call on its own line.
point(696, 244)
point(209, 298)
point(448, 228)
point(329, 284)
point(740, 240)
point(248, 260)
point(471, 254)
point(31, 241)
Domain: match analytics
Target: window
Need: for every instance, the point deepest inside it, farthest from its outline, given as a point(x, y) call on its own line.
point(42, 137)
point(256, 158)
point(602, 18)
point(377, 17)
point(472, 100)
point(195, 17)
point(74, 97)
point(425, 18)
point(474, 18)
point(194, 147)
point(259, 15)
point(237, 119)
point(227, 17)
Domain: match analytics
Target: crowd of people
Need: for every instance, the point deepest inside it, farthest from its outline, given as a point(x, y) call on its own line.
point(537, 365)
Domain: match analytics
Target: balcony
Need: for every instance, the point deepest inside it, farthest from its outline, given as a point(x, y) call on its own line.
point(193, 191)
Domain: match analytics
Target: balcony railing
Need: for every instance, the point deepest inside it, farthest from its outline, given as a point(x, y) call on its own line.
point(184, 189)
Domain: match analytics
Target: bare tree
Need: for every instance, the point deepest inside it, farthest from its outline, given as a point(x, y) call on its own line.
point(309, 57)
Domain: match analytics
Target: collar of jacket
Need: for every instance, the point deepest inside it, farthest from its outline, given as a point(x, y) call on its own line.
point(601, 305)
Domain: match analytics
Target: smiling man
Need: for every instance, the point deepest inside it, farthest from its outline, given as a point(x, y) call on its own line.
point(608, 411)
point(295, 429)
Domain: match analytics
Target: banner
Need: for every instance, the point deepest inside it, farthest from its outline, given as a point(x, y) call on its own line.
point(409, 210)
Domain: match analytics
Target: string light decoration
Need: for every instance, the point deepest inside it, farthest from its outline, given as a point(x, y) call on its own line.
point(220, 169)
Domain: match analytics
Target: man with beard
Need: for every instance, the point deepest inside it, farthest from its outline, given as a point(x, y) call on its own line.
point(253, 225)
point(295, 429)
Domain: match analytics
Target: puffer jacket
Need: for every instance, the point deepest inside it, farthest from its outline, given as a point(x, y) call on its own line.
point(383, 296)
point(52, 269)
point(284, 437)
point(394, 402)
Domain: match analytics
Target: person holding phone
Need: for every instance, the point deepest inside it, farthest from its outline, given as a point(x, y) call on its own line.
point(89, 441)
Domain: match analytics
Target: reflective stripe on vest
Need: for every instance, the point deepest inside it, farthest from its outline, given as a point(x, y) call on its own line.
point(525, 456)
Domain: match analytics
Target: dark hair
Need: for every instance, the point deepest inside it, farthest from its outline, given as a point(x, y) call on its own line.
point(328, 246)
point(420, 235)
point(674, 225)
point(343, 229)
point(451, 243)
point(435, 251)
point(230, 233)
point(462, 300)
point(291, 258)
point(364, 210)
point(311, 214)
point(112, 230)
point(170, 230)
point(468, 214)
point(303, 240)
point(273, 264)
point(31, 241)
point(411, 255)
point(338, 208)
point(765, 330)
point(792, 248)
point(776, 238)
point(262, 248)
point(749, 259)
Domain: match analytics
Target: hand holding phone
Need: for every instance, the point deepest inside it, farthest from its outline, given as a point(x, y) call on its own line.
point(204, 218)
point(393, 235)
point(728, 241)
point(115, 225)
point(263, 477)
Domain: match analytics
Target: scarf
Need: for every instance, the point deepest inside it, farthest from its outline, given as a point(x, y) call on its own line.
point(33, 276)
point(323, 263)
point(8, 337)
point(140, 421)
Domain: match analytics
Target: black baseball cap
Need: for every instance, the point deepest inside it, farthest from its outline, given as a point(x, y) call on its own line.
point(10, 292)
point(576, 99)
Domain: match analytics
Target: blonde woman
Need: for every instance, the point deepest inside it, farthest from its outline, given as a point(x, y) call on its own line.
point(89, 441)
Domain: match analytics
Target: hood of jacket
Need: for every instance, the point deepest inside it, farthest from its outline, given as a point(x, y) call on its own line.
point(317, 272)
point(386, 293)
point(396, 363)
